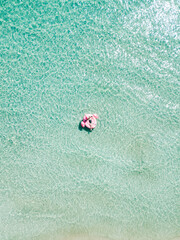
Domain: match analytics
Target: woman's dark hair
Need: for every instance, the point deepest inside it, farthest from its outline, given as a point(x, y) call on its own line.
point(90, 120)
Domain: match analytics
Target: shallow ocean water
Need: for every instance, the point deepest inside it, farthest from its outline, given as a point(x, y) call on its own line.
point(59, 60)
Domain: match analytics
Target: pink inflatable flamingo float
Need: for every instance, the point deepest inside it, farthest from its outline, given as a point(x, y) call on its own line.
point(89, 121)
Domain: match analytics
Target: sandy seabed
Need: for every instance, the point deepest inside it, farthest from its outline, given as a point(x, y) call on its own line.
point(88, 237)
point(81, 237)
point(84, 238)
point(73, 237)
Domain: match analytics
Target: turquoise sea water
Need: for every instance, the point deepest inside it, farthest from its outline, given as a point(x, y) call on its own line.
point(59, 60)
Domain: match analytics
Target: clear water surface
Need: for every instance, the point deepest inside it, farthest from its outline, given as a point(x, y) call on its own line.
point(59, 60)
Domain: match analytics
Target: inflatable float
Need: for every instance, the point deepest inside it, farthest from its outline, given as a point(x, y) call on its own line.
point(89, 121)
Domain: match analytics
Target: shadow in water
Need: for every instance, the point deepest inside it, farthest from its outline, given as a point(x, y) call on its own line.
point(80, 127)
